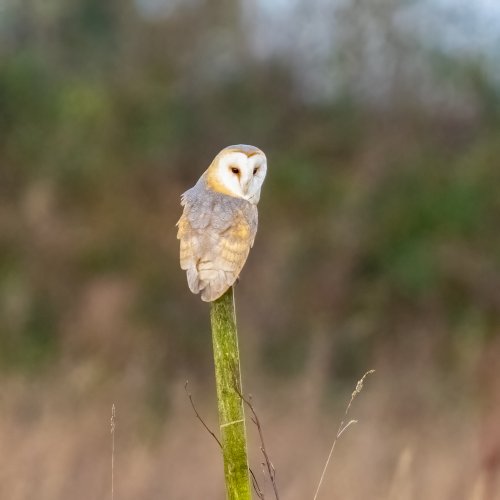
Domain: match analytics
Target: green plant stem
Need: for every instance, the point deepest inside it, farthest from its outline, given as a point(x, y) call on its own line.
point(230, 403)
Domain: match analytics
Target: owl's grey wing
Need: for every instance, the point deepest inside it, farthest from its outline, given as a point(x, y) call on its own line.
point(216, 233)
point(194, 220)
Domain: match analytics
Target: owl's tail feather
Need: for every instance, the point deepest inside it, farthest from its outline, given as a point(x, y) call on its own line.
point(209, 294)
point(210, 283)
point(193, 279)
point(213, 281)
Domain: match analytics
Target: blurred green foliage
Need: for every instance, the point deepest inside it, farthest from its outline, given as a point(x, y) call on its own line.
point(377, 222)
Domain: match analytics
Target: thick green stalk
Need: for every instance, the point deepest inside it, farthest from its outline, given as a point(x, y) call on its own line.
point(230, 403)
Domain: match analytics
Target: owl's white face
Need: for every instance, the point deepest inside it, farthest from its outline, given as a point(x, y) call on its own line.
point(241, 172)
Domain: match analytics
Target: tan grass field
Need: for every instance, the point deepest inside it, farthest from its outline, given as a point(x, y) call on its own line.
point(408, 444)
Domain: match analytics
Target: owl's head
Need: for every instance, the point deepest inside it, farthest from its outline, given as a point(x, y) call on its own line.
point(238, 171)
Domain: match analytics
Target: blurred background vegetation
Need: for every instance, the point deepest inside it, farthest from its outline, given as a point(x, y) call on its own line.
point(378, 245)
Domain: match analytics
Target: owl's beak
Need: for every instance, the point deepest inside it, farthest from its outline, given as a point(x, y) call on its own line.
point(246, 186)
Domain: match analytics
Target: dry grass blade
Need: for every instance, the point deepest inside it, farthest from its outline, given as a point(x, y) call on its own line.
point(113, 426)
point(342, 428)
point(401, 484)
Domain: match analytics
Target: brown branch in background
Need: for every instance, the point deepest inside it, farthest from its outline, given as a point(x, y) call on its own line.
point(342, 427)
point(255, 483)
point(255, 419)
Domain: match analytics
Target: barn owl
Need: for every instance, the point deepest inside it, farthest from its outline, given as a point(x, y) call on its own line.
point(219, 221)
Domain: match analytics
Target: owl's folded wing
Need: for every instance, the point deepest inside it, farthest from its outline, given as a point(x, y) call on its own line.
point(214, 248)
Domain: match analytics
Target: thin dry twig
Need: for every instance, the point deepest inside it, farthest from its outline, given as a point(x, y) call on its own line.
point(113, 426)
point(255, 419)
point(198, 416)
point(342, 428)
point(255, 483)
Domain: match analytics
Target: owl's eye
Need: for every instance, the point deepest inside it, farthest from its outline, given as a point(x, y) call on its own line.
point(235, 170)
point(255, 170)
